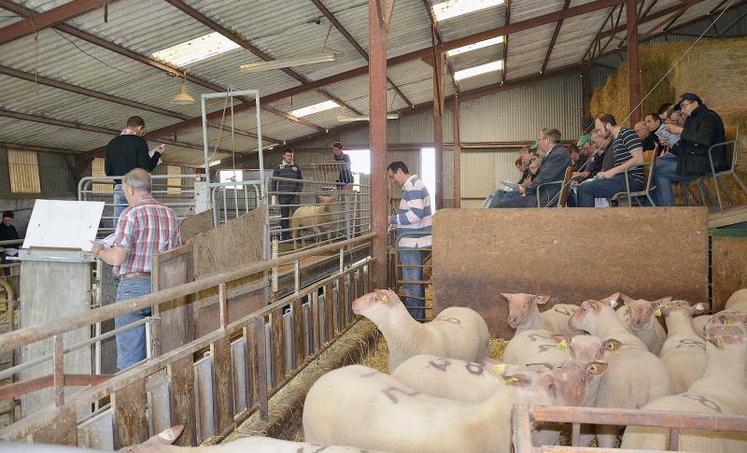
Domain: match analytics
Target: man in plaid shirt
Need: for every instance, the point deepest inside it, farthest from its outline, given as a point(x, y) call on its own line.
point(145, 229)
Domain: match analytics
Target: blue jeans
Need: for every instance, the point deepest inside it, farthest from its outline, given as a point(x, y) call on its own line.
point(501, 196)
point(416, 302)
point(603, 188)
point(120, 203)
point(665, 173)
point(131, 343)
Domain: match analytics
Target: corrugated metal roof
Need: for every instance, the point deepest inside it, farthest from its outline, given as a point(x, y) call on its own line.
point(281, 29)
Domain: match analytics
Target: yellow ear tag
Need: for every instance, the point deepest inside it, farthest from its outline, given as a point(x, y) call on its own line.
point(720, 343)
point(500, 368)
point(657, 313)
point(563, 345)
point(384, 299)
point(512, 381)
point(727, 321)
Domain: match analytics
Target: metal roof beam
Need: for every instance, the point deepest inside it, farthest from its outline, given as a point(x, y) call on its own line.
point(361, 51)
point(38, 149)
point(558, 24)
point(651, 17)
point(48, 19)
point(440, 39)
point(425, 52)
point(505, 41)
point(241, 40)
point(84, 127)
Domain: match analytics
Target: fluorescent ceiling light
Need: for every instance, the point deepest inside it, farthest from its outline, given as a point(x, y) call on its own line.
point(351, 119)
point(453, 8)
point(478, 45)
point(213, 163)
point(196, 49)
point(478, 70)
point(287, 63)
point(316, 108)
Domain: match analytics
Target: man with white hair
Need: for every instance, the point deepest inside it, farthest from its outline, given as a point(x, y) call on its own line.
point(145, 229)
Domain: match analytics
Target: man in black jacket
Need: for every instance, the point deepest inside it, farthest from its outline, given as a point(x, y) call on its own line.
point(703, 128)
point(555, 161)
point(287, 191)
point(126, 152)
point(7, 233)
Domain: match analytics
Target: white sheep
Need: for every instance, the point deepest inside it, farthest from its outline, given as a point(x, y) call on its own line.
point(161, 443)
point(634, 375)
point(531, 346)
point(736, 302)
point(721, 391)
point(639, 315)
point(456, 333)
point(684, 352)
point(317, 218)
point(524, 314)
point(699, 323)
point(467, 381)
point(358, 406)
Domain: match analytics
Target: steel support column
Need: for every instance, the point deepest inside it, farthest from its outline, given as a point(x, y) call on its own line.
point(377, 138)
point(438, 133)
point(634, 76)
point(457, 156)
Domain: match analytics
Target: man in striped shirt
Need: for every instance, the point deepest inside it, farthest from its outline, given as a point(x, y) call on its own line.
point(627, 153)
point(413, 223)
point(145, 229)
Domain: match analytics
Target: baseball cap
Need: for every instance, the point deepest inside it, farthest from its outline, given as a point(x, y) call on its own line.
point(583, 140)
point(688, 97)
point(533, 146)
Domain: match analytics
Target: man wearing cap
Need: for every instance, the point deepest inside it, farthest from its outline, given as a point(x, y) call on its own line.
point(703, 128)
point(648, 140)
point(555, 160)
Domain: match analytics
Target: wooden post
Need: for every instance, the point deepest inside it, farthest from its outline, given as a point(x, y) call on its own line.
point(634, 76)
point(457, 155)
point(377, 137)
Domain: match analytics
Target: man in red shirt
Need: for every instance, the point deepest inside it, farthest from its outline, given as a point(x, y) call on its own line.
point(145, 229)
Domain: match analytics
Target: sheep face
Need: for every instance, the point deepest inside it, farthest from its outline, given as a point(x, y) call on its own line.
point(520, 306)
point(643, 312)
point(573, 379)
point(586, 348)
point(376, 305)
point(726, 334)
point(588, 315)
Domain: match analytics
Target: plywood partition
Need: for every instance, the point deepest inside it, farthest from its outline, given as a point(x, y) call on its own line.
point(729, 268)
point(572, 254)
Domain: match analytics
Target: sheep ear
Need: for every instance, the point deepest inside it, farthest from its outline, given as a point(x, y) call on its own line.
point(542, 299)
point(698, 309)
point(507, 296)
point(521, 379)
point(563, 341)
point(611, 345)
point(663, 300)
point(613, 300)
point(626, 299)
point(597, 367)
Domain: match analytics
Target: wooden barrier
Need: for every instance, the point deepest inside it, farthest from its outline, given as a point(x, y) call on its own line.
point(728, 264)
point(572, 254)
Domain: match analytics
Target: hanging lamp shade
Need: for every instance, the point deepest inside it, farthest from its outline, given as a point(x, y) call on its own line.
point(183, 98)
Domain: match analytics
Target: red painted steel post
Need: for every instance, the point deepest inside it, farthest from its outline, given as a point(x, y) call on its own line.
point(634, 76)
point(377, 139)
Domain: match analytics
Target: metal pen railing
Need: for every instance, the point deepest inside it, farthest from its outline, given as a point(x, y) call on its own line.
point(179, 197)
point(273, 344)
point(232, 199)
point(304, 214)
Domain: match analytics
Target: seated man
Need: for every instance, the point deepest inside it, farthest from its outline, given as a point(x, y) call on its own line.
point(592, 148)
point(8, 233)
point(703, 128)
point(555, 160)
point(666, 138)
point(627, 153)
point(526, 164)
point(648, 139)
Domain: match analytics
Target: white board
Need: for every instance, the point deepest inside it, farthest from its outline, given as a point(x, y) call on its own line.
point(63, 224)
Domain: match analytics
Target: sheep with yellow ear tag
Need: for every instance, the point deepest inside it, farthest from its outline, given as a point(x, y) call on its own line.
point(456, 333)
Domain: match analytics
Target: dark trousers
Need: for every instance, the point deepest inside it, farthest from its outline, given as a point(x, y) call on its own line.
point(286, 212)
point(603, 188)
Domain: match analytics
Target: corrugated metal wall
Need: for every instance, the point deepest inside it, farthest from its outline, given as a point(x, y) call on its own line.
point(520, 113)
point(57, 173)
point(482, 172)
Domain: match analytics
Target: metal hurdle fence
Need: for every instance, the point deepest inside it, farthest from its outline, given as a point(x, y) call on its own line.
point(304, 214)
point(239, 365)
point(418, 275)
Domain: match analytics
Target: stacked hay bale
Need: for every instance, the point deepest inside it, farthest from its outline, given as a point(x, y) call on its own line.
point(715, 69)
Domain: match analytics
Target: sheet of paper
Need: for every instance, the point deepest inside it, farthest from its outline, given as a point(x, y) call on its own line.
point(63, 224)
